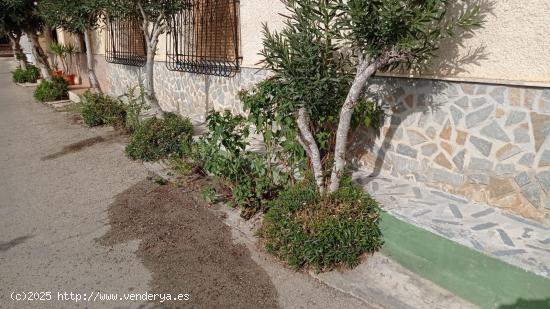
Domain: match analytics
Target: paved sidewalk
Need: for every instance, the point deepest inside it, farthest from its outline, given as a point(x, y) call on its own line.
point(515, 240)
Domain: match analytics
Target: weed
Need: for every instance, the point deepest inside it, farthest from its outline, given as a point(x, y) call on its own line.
point(56, 89)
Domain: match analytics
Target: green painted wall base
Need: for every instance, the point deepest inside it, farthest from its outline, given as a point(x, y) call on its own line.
point(477, 278)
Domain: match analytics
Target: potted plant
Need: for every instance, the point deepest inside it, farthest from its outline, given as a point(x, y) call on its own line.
point(69, 52)
point(59, 51)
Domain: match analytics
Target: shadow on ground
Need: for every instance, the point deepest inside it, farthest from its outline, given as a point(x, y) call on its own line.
point(528, 304)
point(5, 246)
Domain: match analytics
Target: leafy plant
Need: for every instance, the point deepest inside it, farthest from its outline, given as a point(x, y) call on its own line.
point(248, 179)
point(56, 89)
point(30, 75)
point(135, 105)
point(310, 230)
point(156, 139)
point(328, 51)
point(98, 109)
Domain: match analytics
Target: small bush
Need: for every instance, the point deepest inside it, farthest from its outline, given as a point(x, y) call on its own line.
point(156, 139)
point(321, 232)
point(30, 75)
point(56, 89)
point(98, 109)
point(247, 178)
point(135, 105)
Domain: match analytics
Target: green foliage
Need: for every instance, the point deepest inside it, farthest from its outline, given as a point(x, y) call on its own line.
point(72, 16)
point(56, 89)
point(20, 15)
point(321, 232)
point(30, 75)
point(156, 139)
point(249, 179)
point(135, 105)
point(99, 109)
point(408, 32)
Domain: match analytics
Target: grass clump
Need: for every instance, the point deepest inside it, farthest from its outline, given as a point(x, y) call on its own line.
point(30, 75)
point(309, 230)
point(156, 139)
point(56, 89)
point(99, 109)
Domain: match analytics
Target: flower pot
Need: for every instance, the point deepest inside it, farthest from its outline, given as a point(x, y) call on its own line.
point(70, 78)
point(57, 73)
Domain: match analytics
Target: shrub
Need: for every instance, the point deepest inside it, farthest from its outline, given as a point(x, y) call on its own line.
point(309, 230)
point(98, 109)
point(248, 178)
point(135, 104)
point(56, 89)
point(30, 75)
point(156, 139)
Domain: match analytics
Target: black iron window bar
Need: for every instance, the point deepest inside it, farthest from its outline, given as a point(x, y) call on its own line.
point(204, 38)
point(125, 42)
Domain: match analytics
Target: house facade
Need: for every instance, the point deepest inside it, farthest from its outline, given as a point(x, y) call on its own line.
point(477, 123)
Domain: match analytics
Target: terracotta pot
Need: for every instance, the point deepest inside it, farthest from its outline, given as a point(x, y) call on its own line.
point(70, 78)
point(57, 73)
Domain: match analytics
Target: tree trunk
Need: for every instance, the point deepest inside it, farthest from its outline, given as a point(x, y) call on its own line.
point(364, 72)
point(150, 79)
point(94, 83)
point(40, 58)
point(17, 50)
point(310, 143)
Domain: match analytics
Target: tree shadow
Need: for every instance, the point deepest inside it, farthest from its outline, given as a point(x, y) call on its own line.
point(5, 246)
point(398, 106)
point(430, 94)
point(528, 304)
point(453, 53)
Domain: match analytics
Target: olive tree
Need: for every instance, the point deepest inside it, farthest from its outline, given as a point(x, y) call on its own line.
point(20, 16)
point(330, 49)
point(153, 17)
point(78, 17)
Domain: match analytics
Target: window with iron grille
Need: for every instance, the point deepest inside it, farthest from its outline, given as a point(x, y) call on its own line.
point(125, 42)
point(204, 38)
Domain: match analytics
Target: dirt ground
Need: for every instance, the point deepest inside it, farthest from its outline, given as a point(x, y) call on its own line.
point(188, 249)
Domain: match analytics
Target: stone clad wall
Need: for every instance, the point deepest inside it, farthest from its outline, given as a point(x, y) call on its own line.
point(188, 94)
point(490, 143)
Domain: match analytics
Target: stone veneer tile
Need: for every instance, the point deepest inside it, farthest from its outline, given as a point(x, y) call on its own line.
point(532, 193)
point(494, 131)
point(544, 159)
point(429, 149)
point(439, 175)
point(498, 94)
point(447, 147)
point(478, 164)
point(480, 179)
point(442, 160)
point(514, 96)
point(507, 151)
point(544, 180)
point(463, 102)
point(458, 159)
point(541, 128)
point(416, 137)
point(515, 117)
point(482, 145)
point(456, 114)
point(407, 150)
point(522, 179)
point(461, 137)
point(527, 159)
point(477, 117)
point(505, 169)
point(521, 135)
